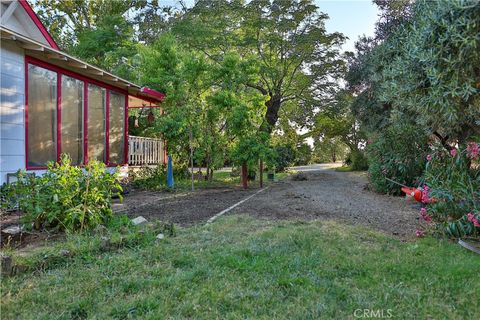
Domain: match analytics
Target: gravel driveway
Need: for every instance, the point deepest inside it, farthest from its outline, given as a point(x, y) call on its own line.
point(328, 194)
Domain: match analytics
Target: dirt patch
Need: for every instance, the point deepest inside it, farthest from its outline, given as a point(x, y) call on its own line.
point(184, 209)
point(335, 195)
point(323, 194)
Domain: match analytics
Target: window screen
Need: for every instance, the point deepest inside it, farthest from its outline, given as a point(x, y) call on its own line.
point(42, 120)
point(117, 128)
point(96, 122)
point(72, 119)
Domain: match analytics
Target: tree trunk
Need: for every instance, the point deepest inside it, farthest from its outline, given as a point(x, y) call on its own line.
point(210, 175)
point(191, 158)
point(261, 173)
point(244, 176)
point(271, 116)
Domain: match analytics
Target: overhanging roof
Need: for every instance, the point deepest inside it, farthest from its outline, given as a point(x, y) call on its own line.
point(61, 59)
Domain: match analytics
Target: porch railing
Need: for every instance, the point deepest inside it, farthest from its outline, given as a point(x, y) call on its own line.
point(145, 151)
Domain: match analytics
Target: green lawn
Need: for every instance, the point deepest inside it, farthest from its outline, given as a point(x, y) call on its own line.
point(241, 268)
point(344, 169)
point(220, 179)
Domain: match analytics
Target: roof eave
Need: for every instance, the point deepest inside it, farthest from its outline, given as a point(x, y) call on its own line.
point(80, 66)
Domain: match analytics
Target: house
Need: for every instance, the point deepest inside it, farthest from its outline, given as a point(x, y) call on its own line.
point(53, 103)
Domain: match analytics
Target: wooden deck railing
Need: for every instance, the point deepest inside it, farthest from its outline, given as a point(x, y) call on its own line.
point(145, 151)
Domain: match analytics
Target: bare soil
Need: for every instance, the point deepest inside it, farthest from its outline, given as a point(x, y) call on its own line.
point(325, 194)
point(335, 195)
point(182, 209)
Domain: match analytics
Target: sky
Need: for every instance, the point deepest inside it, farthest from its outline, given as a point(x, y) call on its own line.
point(353, 18)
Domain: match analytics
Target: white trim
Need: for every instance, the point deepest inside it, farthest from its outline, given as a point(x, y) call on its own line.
point(221, 213)
point(8, 13)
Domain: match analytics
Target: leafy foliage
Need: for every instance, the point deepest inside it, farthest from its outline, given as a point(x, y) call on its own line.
point(357, 160)
point(398, 153)
point(453, 180)
point(416, 81)
point(284, 157)
point(66, 196)
point(148, 178)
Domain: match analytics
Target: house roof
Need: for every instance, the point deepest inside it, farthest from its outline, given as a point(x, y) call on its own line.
point(54, 56)
point(39, 24)
point(17, 15)
point(20, 24)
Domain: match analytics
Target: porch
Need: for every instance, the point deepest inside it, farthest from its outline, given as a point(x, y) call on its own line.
point(144, 151)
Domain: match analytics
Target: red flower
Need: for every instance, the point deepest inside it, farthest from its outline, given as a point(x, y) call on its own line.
point(419, 233)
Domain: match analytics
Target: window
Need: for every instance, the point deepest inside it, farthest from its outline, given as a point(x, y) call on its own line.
point(96, 122)
point(42, 116)
point(116, 128)
point(68, 113)
point(71, 112)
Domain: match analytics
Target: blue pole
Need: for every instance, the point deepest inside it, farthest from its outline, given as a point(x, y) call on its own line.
point(170, 173)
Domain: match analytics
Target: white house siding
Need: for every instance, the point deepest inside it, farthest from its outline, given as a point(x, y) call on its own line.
point(12, 108)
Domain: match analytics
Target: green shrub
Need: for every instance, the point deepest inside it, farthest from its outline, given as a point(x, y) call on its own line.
point(154, 178)
point(66, 196)
point(452, 180)
point(149, 178)
point(284, 156)
point(357, 160)
point(304, 155)
point(399, 153)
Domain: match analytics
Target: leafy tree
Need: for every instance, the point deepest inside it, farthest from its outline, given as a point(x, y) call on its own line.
point(293, 53)
point(336, 121)
point(67, 19)
point(329, 150)
point(418, 78)
point(425, 72)
point(181, 75)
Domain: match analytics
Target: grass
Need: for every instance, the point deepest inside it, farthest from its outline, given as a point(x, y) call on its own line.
point(344, 169)
point(241, 268)
point(220, 179)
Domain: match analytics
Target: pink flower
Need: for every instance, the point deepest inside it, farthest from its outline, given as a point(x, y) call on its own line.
point(473, 149)
point(425, 216)
point(429, 157)
point(425, 196)
point(453, 152)
point(419, 233)
point(470, 217)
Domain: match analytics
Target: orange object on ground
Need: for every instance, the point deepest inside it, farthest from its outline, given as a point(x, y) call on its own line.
point(414, 192)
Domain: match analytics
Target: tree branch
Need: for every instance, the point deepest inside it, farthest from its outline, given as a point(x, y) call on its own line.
point(443, 140)
point(258, 87)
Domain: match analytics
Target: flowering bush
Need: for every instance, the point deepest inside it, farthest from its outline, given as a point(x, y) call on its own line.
point(451, 193)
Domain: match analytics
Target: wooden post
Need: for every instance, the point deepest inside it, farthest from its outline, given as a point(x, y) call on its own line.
point(191, 157)
point(261, 173)
point(244, 176)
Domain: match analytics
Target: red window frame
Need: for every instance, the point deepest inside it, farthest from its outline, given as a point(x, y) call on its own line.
point(86, 80)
